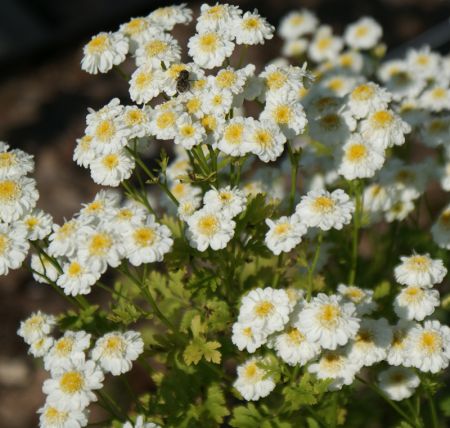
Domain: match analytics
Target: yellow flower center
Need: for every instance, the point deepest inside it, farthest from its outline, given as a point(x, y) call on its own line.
point(226, 78)
point(276, 80)
point(155, 47)
point(397, 377)
point(413, 294)
point(250, 23)
point(187, 131)
point(66, 230)
point(362, 93)
point(329, 315)
point(7, 160)
point(3, 244)
point(281, 228)
point(422, 59)
point(364, 337)
point(114, 345)
point(9, 190)
point(100, 244)
point(144, 236)
point(233, 133)
point(54, 416)
point(361, 31)
point(356, 152)
point(175, 69)
point(105, 130)
point(208, 225)
point(71, 382)
point(251, 371)
point(330, 122)
point(208, 42)
point(346, 60)
point(263, 138)
point(110, 161)
point(31, 222)
point(323, 43)
point(217, 100)
point(135, 26)
point(143, 79)
point(179, 190)
point(336, 84)
point(209, 122)
point(193, 105)
point(134, 117)
point(94, 207)
point(282, 114)
point(165, 120)
point(331, 361)
point(382, 119)
point(444, 219)
point(297, 20)
point(295, 336)
point(74, 269)
point(247, 331)
point(438, 93)
point(98, 44)
point(430, 342)
point(215, 12)
point(323, 204)
point(419, 263)
point(437, 126)
point(354, 294)
point(225, 196)
point(264, 308)
point(64, 346)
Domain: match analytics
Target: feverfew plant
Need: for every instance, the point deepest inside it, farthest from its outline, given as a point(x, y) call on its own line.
point(280, 267)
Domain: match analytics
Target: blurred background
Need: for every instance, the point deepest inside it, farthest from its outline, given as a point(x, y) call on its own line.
point(44, 97)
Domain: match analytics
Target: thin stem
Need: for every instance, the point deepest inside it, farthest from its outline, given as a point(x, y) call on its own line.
point(110, 405)
point(355, 236)
point(294, 168)
point(312, 268)
point(276, 278)
point(434, 418)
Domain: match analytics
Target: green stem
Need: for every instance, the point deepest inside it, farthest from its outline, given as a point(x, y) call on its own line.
point(355, 236)
point(312, 268)
point(276, 278)
point(434, 418)
point(110, 405)
point(294, 169)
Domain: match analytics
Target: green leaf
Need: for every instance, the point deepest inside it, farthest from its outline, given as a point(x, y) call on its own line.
point(197, 327)
point(215, 404)
point(210, 352)
point(382, 290)
point(193, 352)
point(444, 405)
point(246, 417)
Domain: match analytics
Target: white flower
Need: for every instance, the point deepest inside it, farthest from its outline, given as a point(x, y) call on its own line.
point(84, 154)
point(234, 137)
point(159, 49)
point(441, 229)
point(253, 382)
point(37, 326)
point(362, 298)
point(265, 309)
point(284, 234)
point(436, 98)
point(67, 351)
point(77, 278)
point(62, 240)
point(359, 159)
point(116, 351)
point(428, 346)
point(423, 62)
point(18, 196)
point(38, 224)
point(209, 49)
point(163, 123)
point(136, 120)
point(184, 191)
point(14, 163)
point(324, 46)
point(220, 17)
point(296, 24)
point(40, 347)
point(147, 242)
point(435, 131)
point(266, 140)
point(415, 303)
point(140, 423)
point(167, 17)
point(229, 201)
point(104, 51)
point(363, 34)
point(383, 128)
point(332, 127)
point(112, 169)
point(13, 246)
point(209, 228)
point(371, 343)
point(72, 389)
point(293, 347)
point(246, 337)
point(367, 98)
point(295, 48)
point(420, 270)
point(137, 30)
point(252, 29)
point(105, 202)
point(325, 210)
point(398, 383)
point(55, 417)
point(189, 133)
point(187, 207)
point(146, 83)
point(280, 79)
point(217, 103)
point(328, 321)
point(335, 365)
point(398, 353)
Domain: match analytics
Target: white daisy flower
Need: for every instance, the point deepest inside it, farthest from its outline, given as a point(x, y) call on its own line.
point(367, 98)
point(54, 417)
point(148, 242)
point(159, 49)
point(324, 46)
point(136, 120)
point(293, 347)
point(284, 234)
point(209, 228)
point(140, 422)
point(112, 169)
point(280, 79)
point(398, 383)
point(234, 137)
point(359, 159)
point(103, 52)
point(146, 83)
point(187, 207)
point(167, 17)
point(128, 215)
point(184, 191)
point(163, 123)
point(423, 62)
point(428, 346)
point(363, 34)
point(265, 309)
point(116, 351)
point(338, 84)
point(109, 135)
point(62, 240)
point(15, 163)
point(437, 98)
point(266, 140)
point(398, 209)
point(350, 61)
point(137, 30)
point(83, 153)
point(72, 389)
point(252, 29)
point(335, 365)
point(189, 133)
point(371, 343)
point(328, 321)
point(210, 49)
point(220, 18)
point(14, 246)
point(332, 128)
point(18, 196)
point(441, 229)
point(435, 131)
point(40, 347)
point(227, 200)
point(67, 351)
point(415, 303)
point(105, 202)
point(246, 337)
point(37, 326)
point(362, 298)
point(77, 278)
point(295, 48)
point(383, 128)
point(420, 270)
point(296, 24)
point(325, 210)
point(252, 381)
point(217, 102)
